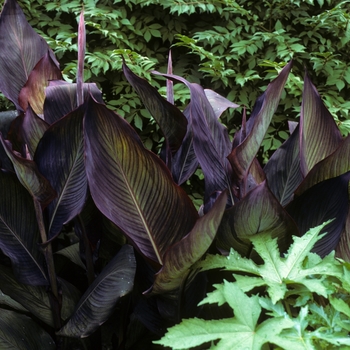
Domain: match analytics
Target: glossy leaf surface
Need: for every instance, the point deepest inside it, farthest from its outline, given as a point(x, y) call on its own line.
point(97, 304)
point(283, 170)
point(211, 142)
point(33, 92)
point(19, 235)
point(132, 186)
point(325, 201)
point(170, 119)
point(320, 135)
point(33, 130)
point(258, 212)
point(182, 255)
point(20, 332)
point(60, 158)
point(242, 156)
point(23, 45)
point(61, 98)
point(30, 177)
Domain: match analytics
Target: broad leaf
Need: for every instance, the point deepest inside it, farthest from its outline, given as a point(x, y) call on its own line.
point(132, 186)
point(20, 332)
point(60, 158)
point(61, 98)
point(210, 139)
point(258, 212)
point(319, 135)
point(283, 171)
point(19, 234)
point(30, 177)
point(33, 92)
point(33, 129)
point(337, 163)
point(170, 119)
point(325, 201)
point(180, 257)
point(218, 102)
point(240, 332)
point(98, 302)
point(242, 156)
point(35, 299)
point(24, 47)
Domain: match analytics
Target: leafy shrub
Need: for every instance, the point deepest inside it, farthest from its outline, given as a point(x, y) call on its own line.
point(99, 241)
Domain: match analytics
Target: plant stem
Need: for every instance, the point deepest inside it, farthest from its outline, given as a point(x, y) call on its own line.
point(55, 297)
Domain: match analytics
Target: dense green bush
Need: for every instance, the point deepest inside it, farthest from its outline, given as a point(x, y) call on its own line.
point(236, 47)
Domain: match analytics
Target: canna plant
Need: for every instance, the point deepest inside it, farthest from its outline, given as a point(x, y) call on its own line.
point(99, 242)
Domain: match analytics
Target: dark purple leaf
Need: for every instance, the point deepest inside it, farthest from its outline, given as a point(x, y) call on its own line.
point(320, 135)
point(169, 83)
point(258, 212)
point(21, 50)
point(81, 57)
point(61, 98)
point(343, 247)
point(325, 201)
point(98, 302)
point(33, 92)
point(19, 233)
point(337, 163)
point(210, 139)
point(33, 128)
point(242, 156)
point(218, 102)
point(170, 119)
point(180, 257)
point(132, 186)
point(60, 158)
point(30, 177)
point(283, 171)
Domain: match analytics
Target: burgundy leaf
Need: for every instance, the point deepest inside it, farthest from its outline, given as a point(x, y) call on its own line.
point(33, 92)
point(33, 128)
point(258, 212)
point(180, 257)
point(21, 50)
point(337, 163)
point(319, 135)
point(61, 98)
point(81, 57)
point(19, 233)
point(283, 171)
point(242, 156)
point(132, 186)
point(170, 119)
point(325, 201)
point(30, 177)
point(60, 158)
point(169, 83)
point(210, 139)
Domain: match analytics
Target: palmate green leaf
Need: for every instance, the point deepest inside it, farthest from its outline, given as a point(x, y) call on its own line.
point(180, 257)
point(20, 332)
point(19, 233)
point(98, 302)
point(297, 267)
point(132, 186)
point(237, 333)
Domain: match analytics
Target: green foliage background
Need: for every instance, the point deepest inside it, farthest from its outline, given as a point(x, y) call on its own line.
point(233, 47)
